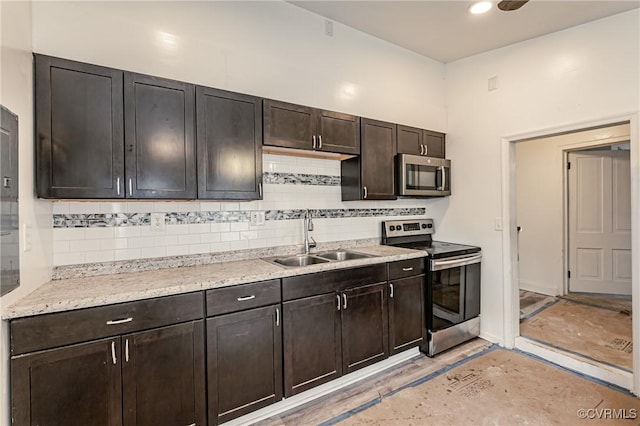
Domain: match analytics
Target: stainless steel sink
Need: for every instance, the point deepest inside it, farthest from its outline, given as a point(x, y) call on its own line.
point(342, 255)
point(299, 260)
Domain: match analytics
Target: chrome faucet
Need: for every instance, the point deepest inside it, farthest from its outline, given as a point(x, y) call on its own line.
point(308, 226)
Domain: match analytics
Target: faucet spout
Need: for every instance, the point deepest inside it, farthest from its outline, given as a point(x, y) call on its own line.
point(308, 226)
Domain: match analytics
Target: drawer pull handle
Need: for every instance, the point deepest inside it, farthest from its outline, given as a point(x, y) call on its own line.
point(242, 299)
point(119, 321)
point(113, 352)
point(407, 269)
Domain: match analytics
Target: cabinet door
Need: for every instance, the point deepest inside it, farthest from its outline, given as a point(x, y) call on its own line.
point(410, 140)
point(435, 145)
point(163, 376)
point(79, 130)
point(406, 313)
point(365, 332)
point(73, 385)
point(229, 134)
point(159, 138)
point(338, 132)
point(244, 362)
point(312, 342)
point(288, 125)
point(378, 150)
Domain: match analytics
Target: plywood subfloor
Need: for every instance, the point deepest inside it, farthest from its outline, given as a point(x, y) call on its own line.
point(499, 387)
point(530, 302)
point(600, 334)
point(613, 302)
point(351, 397)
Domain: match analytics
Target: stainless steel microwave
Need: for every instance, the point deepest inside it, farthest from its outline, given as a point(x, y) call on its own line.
point(420, 176)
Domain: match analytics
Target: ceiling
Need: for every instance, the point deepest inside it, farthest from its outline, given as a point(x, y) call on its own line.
point(445, 31)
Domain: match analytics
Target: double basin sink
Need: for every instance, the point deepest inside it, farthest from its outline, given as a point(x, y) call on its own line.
point(316, 258)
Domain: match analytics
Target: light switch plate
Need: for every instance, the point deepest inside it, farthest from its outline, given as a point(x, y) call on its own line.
point(498, 224)
point(157, 222)
point(256, 218)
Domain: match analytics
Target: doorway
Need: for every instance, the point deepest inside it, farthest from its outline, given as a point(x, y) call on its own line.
point(553, 235)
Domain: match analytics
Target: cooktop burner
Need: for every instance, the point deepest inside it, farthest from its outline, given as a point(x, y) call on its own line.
point(417, 234)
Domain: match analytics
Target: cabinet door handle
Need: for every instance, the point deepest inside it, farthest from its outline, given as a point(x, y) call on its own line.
point(319, 141)
point(260, 189)
point(313, 143)
point(344, 301)
point(113, 353)
point(277, 317)
point(391, 290)
point(243, 298)
point(126, 350)
point(6, 182)
point(118, 186)
point(130, 187)
point(119, 321)
point(421, 149)
point(365, 191)
point(426, 149)
point(338, 296)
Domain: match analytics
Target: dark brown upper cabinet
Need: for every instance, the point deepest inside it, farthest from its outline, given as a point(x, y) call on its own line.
point(416, 141)
point(229, 141)
point(371, 175)
point(79, 130)
point(159, 137)
point(294, 126)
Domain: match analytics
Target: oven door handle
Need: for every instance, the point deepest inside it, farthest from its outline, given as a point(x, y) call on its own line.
point(437, 265)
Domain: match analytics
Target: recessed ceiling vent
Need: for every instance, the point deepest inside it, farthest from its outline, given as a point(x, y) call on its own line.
point(509, 5)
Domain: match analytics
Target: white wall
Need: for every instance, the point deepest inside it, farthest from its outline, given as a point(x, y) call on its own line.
point(16, 94)
point(582, 74)
point(270, 49)
point(540, 202)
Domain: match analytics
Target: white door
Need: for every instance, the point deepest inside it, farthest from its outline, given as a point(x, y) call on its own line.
point(600, 222)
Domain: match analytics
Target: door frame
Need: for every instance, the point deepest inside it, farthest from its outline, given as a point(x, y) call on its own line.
point(510, 279)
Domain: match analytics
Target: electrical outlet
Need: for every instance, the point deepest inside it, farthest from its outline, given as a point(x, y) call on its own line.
point(256, 218)
point(157, 222)
point(27, 233)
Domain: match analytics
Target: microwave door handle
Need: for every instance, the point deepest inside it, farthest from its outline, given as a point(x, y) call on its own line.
point(444, 178)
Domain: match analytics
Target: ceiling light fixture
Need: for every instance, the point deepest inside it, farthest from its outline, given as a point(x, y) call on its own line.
point(480, 7)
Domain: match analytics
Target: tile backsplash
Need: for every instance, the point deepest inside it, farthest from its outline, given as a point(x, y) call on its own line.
point(94, 231)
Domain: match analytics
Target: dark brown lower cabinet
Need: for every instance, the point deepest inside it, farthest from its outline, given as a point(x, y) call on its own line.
point(312, 342)
point(365, 332)
point(163, 375)
point(406, 313)
point(73, 385)
point(244, 361)
point(145, 379)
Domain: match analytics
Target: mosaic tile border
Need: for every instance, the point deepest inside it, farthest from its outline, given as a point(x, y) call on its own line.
point(300, 179)
point(104, 220)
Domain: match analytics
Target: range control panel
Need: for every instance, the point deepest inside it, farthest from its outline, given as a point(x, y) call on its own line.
point(407, 228)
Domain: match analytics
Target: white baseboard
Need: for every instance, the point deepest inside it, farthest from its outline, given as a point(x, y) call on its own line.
point(491, 338)
point(606, 373)
point(539, 288)
point(311, 394)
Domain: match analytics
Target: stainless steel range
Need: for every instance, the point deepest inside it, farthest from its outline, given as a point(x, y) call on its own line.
point(452, 285)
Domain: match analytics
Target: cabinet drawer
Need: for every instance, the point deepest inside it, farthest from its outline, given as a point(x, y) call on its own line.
point(327, 282)
point(64, 328)
point(241, 297)
point(406, 268)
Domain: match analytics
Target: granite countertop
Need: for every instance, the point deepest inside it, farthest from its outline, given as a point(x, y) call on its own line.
point(76, 293)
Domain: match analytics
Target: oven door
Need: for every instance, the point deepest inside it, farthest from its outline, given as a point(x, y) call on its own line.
point(423, 176)
point(454, 290)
